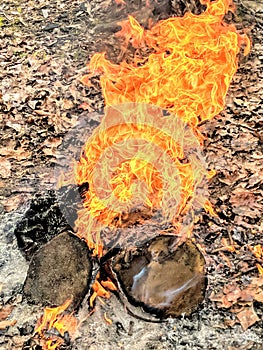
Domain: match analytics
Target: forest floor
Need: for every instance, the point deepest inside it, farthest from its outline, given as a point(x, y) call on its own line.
point(45, 47)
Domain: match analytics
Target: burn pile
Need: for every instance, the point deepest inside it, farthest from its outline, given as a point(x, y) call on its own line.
point(133, 194)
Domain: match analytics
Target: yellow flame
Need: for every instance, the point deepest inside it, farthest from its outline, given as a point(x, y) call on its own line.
point(189, 71)
point(56, 319)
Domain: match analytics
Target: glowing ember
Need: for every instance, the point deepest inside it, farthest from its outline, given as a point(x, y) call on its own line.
point(55, 319)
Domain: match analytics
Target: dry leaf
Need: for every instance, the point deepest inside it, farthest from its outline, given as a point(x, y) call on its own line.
point(245, 203)
point(85, 106)
point(247, 317)
point(254, 290)
point(18, 154)
point(5, 324)
point(67, 104)
point(5, 168)
point(53, 142)
point(233, 293)
point(14, 125)
point(221, 299)
point(12, 203)
point(244, 141)
point(5, 312)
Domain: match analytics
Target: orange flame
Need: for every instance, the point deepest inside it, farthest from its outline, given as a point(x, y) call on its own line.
point(260, 269)
point(258, 251)
point(130, 162)
point(55, 318)
point(189, 71)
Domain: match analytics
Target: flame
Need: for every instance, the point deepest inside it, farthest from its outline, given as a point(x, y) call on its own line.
point(100, 289)
point(183, 65)
point(258, 251)
point(131, 161)
point(260, 269)
point(56, 319)
point(188, 71)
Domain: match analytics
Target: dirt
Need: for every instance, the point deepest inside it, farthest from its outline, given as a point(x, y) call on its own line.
point(44, 50)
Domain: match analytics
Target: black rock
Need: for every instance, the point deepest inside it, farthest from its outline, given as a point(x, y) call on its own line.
point(59, 270)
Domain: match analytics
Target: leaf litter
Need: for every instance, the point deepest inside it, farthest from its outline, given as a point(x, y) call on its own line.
point(41, 99)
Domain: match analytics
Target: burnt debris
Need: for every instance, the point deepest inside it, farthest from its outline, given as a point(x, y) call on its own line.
point(49, 214)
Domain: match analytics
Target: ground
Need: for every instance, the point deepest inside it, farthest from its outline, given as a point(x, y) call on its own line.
point(45, 47)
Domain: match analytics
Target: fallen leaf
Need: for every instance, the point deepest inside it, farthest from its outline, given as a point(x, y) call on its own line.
point(245, 203)
point(244, 142)
point(53, 142)
point(247, 317)
point(221, 299)
point(13, 202)
point(232, 292)
point(14, 125)
point(85, 106)
point(18, 154)
point(253, 291)
point(5, 312)
point(5, 324)
point(67, 104)
point(5, 168)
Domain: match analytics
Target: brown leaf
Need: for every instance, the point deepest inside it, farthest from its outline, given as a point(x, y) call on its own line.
point(5, 312)
point(253, 290)
point(14, 125)
point(18, 154)
point(244, 142)
point(49, 151)
point(221, 299)
point(5, 324)
point(67, 104)
point(233, 293)
point(5, 168)
point(247, 317)
point(245, 203)
point(53, 142)
point(13, 202)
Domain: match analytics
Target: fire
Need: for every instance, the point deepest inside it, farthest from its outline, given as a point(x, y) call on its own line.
point(188, 71)
point(258, 251)
point(55, 319)
point(138, 157)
